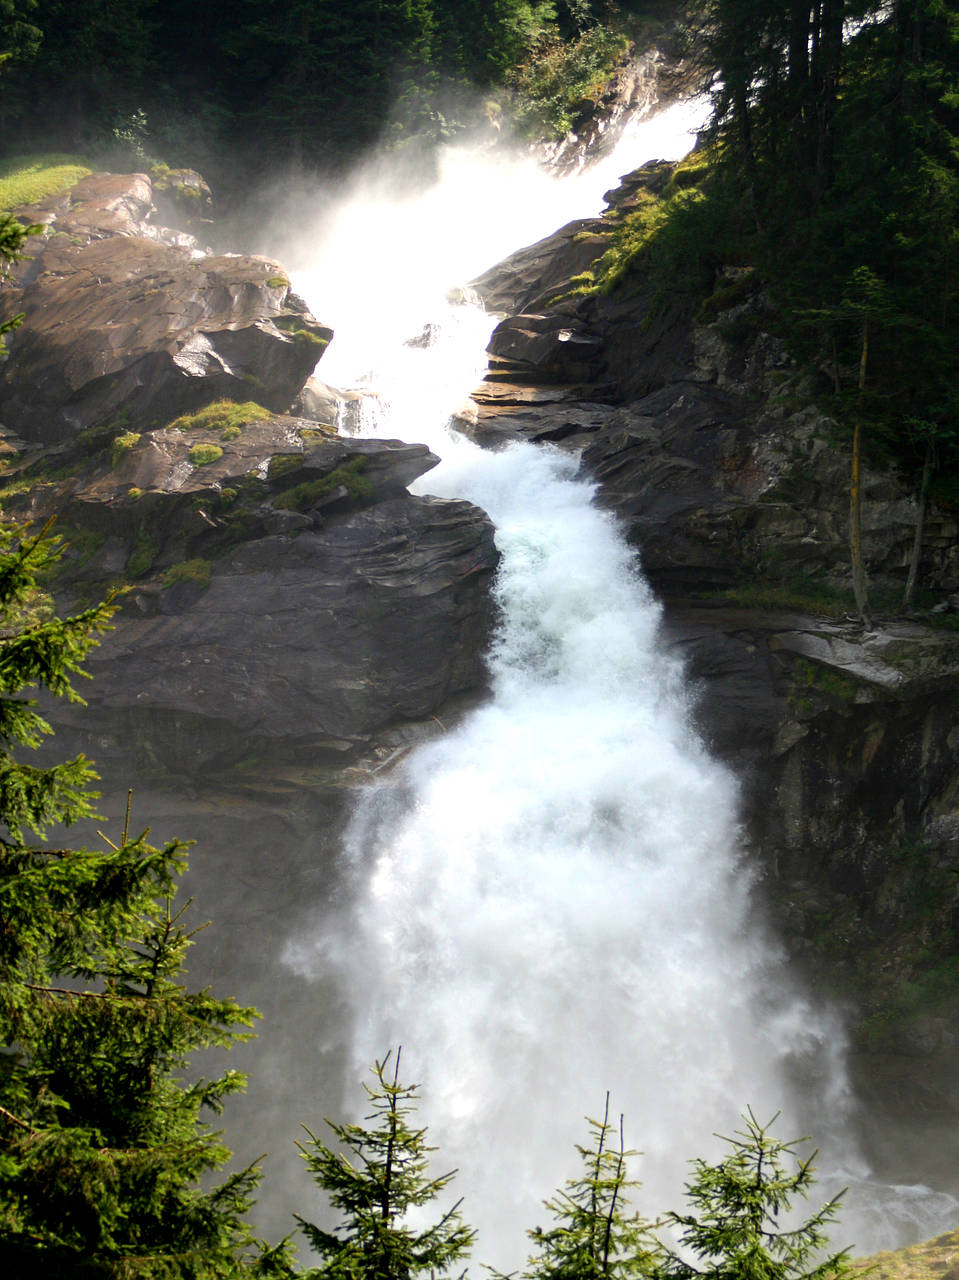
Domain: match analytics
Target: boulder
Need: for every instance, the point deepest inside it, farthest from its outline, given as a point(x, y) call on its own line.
point(535, 276)
point(126, 321)
point(299, 645)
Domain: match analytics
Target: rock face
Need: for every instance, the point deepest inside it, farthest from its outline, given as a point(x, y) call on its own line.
point(285, 591)
point(127, 321)
point(303, 646)
point(286, 598)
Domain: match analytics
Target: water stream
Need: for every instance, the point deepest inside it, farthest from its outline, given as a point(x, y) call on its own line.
point(550, 900)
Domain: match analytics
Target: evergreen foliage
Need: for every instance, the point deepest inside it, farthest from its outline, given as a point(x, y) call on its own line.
point(13, 235)
point(594, 1237)
point(737, 1226)
point(373, 1182)
point(102, 1141)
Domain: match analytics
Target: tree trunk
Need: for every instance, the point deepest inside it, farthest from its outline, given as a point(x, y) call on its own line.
point(920, 529)
point(855, 497)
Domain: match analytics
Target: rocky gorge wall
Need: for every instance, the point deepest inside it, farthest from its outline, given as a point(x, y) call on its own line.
point(294, 619)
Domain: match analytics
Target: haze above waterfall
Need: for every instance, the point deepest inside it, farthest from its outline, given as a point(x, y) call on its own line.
point(550, 900)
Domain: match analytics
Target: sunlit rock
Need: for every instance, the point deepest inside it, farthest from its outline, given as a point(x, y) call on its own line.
point(126, 321)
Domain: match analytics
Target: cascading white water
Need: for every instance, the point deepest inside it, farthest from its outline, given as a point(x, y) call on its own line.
point(549, 901)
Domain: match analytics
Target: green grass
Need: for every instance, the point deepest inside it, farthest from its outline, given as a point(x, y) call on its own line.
point(220, 416)
point(29, 179)
point(927, 1261)
point(795, 600)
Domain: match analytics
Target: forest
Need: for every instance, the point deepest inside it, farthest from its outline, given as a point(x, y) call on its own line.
point(828, 176)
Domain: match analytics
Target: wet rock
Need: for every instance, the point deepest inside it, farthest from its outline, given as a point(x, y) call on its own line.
point(123, 320)
point(303, 644)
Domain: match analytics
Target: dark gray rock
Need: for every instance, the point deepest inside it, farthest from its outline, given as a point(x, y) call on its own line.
point(303, 644)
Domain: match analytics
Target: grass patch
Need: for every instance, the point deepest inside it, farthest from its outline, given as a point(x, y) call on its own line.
point(827, 603)
point(220, 416)
point(281, 463)
point(201, 455)
point(303, 496)
point(29, 179)
point(197, 571)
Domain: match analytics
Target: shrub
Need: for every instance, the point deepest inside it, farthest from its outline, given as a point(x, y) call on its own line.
point(122, 446)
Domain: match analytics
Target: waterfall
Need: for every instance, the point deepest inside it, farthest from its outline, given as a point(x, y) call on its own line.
point(549, 900)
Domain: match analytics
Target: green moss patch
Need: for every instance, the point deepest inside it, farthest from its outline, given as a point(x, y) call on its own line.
point(293, 325)
point(201, 455)
point(222, 415)
point(197, 571)
point(30, 179)
point(282, 463)
point(302, 496)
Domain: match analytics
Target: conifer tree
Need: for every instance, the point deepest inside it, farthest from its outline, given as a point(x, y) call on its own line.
point(594, 1236)
point(380, 1175)
point(102, 1144)
point(735, 1227)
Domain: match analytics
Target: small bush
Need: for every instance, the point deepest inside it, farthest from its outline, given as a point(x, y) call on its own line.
point(122, 446)
point(231, 433)
point(561, 78)
point(201, 455)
